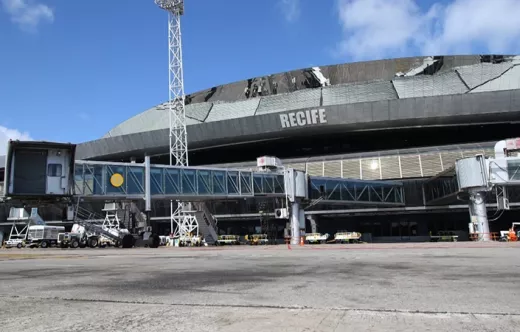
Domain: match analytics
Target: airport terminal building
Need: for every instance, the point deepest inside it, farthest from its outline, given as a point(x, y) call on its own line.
point(405, 119)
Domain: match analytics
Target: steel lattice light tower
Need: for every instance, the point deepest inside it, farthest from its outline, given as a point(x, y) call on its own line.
point(178, 135)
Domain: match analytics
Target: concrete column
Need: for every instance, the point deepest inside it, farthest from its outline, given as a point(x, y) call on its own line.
point(314, 226)
point(478, 210)
point(295, 222)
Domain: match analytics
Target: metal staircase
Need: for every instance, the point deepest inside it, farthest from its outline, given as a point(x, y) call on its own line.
point(207, 224)
point(95, 223)
point(139, 216)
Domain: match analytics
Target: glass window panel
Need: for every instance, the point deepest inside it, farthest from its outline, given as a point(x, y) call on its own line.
point(156, 181)
point(232, 183)
point(172, 181)
point(258, 183)
point(111, 170)
point(219, 182)
point(189, 184)
point(135, 180)
point(245, 183)
point(204, 182)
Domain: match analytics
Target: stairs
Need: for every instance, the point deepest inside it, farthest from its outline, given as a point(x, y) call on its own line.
point(207, 224)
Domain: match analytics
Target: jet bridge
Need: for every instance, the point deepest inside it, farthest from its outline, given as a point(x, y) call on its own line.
point(109, 181)
point(105, 180)
point(475, 176)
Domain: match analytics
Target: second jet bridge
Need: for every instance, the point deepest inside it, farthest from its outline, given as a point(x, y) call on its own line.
point(107, 180)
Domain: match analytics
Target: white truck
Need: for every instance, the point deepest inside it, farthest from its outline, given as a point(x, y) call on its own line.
point(227, 239)
point(43, 236)
point(91, 235)
point(347, 237)
point(314, 238)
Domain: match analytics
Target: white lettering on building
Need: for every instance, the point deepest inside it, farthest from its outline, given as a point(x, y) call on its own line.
point(303, 118)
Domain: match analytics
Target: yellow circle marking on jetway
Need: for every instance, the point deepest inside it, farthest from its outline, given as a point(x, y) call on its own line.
point(117, 180)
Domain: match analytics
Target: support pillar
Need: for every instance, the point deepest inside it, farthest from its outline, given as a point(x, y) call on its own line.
point(295, 222)
point(313, 220)
point(147, 190)
point(478, 212)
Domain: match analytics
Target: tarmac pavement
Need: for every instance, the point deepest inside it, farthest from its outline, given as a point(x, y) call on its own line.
point(397, 287)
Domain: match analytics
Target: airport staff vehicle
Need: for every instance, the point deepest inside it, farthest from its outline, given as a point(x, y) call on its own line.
point(347, 237)
point(18, 243)
point(256, 239)
point(314, 238)
point(190, 241)
point(444, 236)
point(512, 234)
point(227, 239)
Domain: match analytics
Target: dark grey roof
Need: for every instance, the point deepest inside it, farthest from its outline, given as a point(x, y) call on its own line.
point(339, 85)
point(469, 108)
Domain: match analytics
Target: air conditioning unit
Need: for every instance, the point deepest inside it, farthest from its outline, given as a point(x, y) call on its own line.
point(281, 213)
point(70, 212)
point(503, 203)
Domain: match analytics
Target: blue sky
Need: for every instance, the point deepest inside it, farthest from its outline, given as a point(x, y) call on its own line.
point(72, 70)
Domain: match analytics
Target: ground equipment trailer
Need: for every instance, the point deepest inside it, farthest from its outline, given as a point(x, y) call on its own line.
point(347, 237)
point(314, 238)
point(20, 228)
point(43, 236)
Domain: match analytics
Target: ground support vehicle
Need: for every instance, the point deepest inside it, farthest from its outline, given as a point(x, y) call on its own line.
point(43, 236)
point(191, 241)
point(257, 239)
point(347, 237)
point(18, 243)
point(315, 238)
point(511, 235)
point(91, 235)
point(444, 236)
point(227, 240)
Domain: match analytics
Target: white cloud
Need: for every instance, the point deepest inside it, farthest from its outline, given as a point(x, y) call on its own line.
point(290, 9)
point(27, 14)
point(388, 28)
point(6, 134)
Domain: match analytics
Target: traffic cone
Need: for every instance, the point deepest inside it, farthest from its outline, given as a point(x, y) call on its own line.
point(302, 240)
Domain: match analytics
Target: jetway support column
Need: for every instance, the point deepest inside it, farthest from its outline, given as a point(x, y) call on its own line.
point(147, 189)
point(295, 222)
point(473, 177)
point(296, 188)
point(314, 226)
point(478, 213)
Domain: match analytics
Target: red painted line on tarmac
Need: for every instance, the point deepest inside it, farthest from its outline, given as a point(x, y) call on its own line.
point(355, 247)
point(416, 247)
